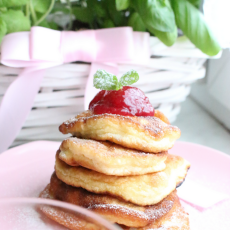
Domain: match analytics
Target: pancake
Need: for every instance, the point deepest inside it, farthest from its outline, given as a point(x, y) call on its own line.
point(142, 190)
point(113, 209)
point(166, 215)
point(147, 134)
point(161, 116)
point(175, 219)
point(66, 218)
point(109, 158)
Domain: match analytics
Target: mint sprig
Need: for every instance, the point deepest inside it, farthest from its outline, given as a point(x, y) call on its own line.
point(107, 81)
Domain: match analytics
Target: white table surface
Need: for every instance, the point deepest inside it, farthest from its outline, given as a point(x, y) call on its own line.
point(198, 126)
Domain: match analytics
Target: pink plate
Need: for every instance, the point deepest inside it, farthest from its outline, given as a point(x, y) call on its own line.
point(26, 170)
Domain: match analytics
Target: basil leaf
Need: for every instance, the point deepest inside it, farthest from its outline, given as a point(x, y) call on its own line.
point(50, 25)
point(192, 23)
point(3, 9)
point(3, 29)
point(196, 3)
point(107, 23)
point(136, 22)
point(156, 14)
point(118, 17)
point(83, 14)
point(53, 25)
point(15, 21)
point(12, 3)
point(41, 6)
point(44, 23)
point(98, 8)
point(105, 81)
point(59, 7)
point(129, 78)
point(47, 24)
point(168, 38)
point(122, 4)
point(16, 8)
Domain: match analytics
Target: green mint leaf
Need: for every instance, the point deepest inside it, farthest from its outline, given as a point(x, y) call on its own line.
point(190, 20)
point(136, 22)
point(12, 3)
point(16, 21)
point(156, 14)
point(3, 29)
point(168, 38)
point(122, 4)
point(105, 81)
point(41, 6)
point(129, 78)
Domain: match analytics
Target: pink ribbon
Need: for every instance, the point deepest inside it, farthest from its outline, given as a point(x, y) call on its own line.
point(42, 48)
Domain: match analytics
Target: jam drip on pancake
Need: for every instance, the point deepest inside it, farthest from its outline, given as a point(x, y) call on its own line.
point(128, 101)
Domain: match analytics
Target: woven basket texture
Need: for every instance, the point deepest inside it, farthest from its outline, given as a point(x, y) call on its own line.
point(166, 80)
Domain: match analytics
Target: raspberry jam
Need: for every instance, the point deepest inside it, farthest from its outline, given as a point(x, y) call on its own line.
point(128, 101)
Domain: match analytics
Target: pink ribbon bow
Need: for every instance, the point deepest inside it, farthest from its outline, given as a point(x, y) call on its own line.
point(43, 48)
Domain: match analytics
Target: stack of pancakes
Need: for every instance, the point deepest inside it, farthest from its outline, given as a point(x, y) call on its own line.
point(119, 167)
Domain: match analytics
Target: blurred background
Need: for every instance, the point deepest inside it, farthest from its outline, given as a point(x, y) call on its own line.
point(205, 115)
point(187, 76)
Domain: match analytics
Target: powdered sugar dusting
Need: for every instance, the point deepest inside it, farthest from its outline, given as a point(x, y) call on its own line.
point(104, 80)
point(24, 217)
point(120, 209)
point(129, 78)
point(65, 217)
point(71, 120)
point(151, 124)
point(154, 214)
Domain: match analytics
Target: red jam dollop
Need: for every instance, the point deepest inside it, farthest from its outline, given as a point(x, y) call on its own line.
point(128, 101)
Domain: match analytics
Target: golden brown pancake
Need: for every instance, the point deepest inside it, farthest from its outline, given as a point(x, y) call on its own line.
point(113, 209)
point(161, 116)
point(175, 219)
point(166, 215)
point(142, 190)
point(148, 134)
point(109, 158)
point(66, 218)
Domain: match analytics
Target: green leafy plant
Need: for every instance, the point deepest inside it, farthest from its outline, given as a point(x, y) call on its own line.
point(15, 21)
point(3, 29)
point(136, 22)
point(20, 15)
point(107, 81)
point(162, 18)
point(187, 17)
point(156, 14)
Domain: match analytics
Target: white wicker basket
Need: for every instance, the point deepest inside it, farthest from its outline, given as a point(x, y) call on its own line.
point(165, 80)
